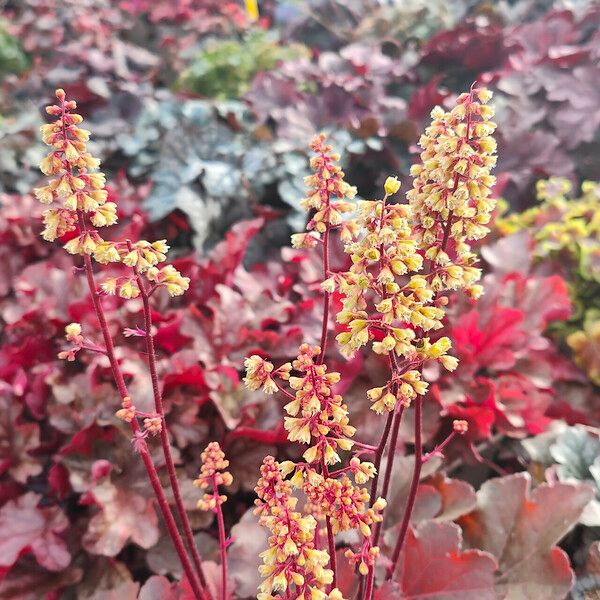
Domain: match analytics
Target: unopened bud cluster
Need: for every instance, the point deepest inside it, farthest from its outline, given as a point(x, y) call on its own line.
point(213, 473)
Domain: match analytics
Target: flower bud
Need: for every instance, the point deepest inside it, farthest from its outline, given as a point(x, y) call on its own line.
point(391, 185)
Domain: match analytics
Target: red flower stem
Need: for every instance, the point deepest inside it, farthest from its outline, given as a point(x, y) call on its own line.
point(438, 449)
point(164, 434)
point(368, 592)
point(396, 369)
point(320, 359)
point(199, 593)
point(364, 447)
point(222, 540)
point(284, 391)
point(339, 471)
point(396, 419)
point(388, 467)
point(326, 300)
point(370, 584)
point(418, 433)
point(93, 348)
point(330, 538)
point(379, 456)
point(412, 496)
point(147, 460)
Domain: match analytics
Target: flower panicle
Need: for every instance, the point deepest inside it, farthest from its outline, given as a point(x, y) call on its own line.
point(452, 186)
point(406, 255)
point(292, 565)
point(404, 259)
point(84, 206)
point(213, 473)
point(317, 417)
point(328, 194)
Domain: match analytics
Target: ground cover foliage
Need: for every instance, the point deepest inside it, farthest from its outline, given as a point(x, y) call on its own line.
point(208, 150)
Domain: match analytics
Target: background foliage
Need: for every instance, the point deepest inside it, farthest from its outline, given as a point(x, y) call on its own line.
point(202, 119)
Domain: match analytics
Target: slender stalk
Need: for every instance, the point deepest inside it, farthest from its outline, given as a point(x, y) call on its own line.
point(370, 583)
point(321, 358)
point(418, 432)
point(164, 435)
point(388, 467)
point(412, 496)
point(330, 538)
point(147, 460)
point(222, 541)
point(379, 455)
point(437, 451)
point(393, 422)
point(169, 519)
point(397, 419)
point(326, 300)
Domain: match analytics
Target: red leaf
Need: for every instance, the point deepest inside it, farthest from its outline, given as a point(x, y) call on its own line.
point(192, 377)
point(25, 527)
point(479, 418)
point(471, 45)
point(228, 254)
point(124, 515)
point(82, 441)
point(269, 436)
point(521, 528)
point(169, 337)
point(458, 497)
point(58, 480)
point(425, 98)
point(489, 344)
point(432, 565)
point(158, 587)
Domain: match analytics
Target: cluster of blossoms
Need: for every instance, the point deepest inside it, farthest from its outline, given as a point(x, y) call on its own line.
point(316, 415)
point(85, 208)
point(79, 189)
point(293, 566)
point(404, 258)
point(213, 473)
point(452, 188)
point(326, 182)
point(318, 418)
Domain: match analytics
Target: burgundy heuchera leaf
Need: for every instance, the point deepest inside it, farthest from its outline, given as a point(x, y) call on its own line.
point(521, 529)
point(432, 565)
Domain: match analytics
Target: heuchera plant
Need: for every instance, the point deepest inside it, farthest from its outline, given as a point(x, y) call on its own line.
point(405, 259)
point(80, 188)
